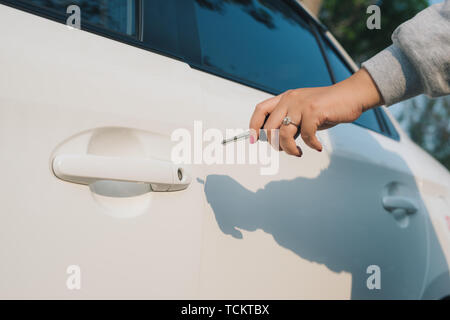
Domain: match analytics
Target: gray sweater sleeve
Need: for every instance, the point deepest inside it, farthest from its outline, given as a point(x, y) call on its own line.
point(418, 61)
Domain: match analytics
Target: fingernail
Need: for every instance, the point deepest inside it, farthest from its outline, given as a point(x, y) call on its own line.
point(252, 139)
point(300, 152)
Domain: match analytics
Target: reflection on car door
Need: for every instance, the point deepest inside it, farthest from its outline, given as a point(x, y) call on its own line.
point(318, 228)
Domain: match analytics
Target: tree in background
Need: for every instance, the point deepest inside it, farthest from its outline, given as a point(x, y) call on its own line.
point(347, 21)
point(426, 120)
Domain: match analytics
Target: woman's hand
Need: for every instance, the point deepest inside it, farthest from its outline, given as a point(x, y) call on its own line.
point(315, 109)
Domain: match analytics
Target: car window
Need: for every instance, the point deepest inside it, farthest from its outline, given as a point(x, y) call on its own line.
point(340, 69)
point(160, 25)
point(390, 126)
point(265, 43)
point(341, 72)
point(169, 26)
point(369, 120)
point(118, 16)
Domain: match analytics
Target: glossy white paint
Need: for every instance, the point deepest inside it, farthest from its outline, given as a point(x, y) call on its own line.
point(69, 92)
point(311, 231)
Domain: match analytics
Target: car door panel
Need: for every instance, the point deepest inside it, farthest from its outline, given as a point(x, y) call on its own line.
point(66, 91)
point(315, 227)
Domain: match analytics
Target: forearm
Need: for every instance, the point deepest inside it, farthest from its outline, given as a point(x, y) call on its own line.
point(419, 59)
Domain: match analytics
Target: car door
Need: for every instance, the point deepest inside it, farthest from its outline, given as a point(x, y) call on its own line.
point(323, 225)
point(103, 110)
point(399, 159)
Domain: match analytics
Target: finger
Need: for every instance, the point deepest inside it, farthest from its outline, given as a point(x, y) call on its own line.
point(287, 141)
point(308, 132)
point(260, 113)
point(275, 119)
point(326, 126)
point(274, 140)
point(287, 133)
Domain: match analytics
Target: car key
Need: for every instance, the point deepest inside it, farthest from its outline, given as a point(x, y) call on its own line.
point(246, 134)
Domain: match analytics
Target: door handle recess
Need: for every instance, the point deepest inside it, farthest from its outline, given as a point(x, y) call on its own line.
point(87, 169)
point(392, 203)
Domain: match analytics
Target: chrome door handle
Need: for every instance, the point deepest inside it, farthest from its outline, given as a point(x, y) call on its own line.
point(87, 169)
point(391, 203)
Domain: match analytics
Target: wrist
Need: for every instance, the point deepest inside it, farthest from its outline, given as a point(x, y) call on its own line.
point(366, 90)
point(360, 90)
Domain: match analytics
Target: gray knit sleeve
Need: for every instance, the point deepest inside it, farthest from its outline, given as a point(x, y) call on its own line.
point(418, 61)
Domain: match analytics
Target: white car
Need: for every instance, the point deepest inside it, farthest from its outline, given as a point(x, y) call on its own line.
point(90, 203)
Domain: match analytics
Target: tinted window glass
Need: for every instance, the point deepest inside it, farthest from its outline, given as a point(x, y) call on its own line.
point(170, 26)
point(369, 120)
point(160, 25)
point(340, 69)
point(392, 131)
point(341, 72)
point(114, 15)
point(265, 43)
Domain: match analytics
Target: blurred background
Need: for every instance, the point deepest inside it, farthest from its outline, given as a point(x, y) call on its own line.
point(427, 121)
